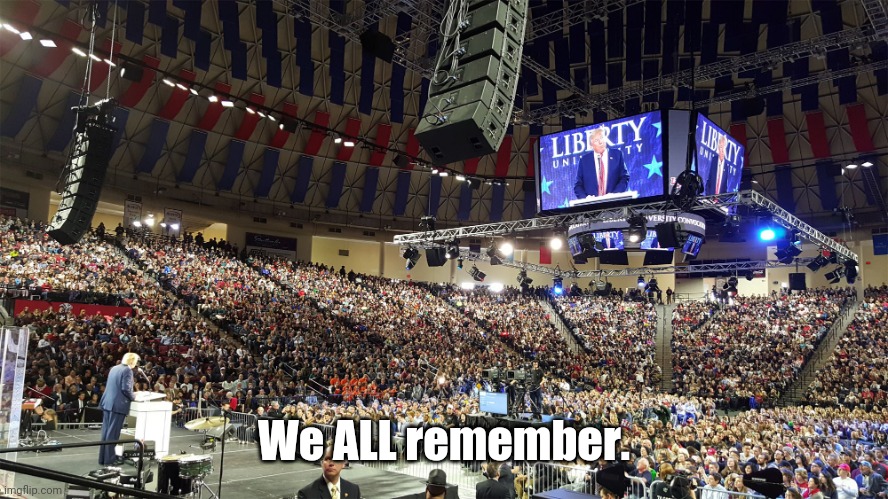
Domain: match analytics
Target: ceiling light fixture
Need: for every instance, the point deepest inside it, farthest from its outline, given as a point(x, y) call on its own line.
point(261, 114)
point(272, 118)
point(181, 87)
point(48, 43)
point(77, 51)
point(168, 83)
point(95, 57)
point(250, 110)
point(109, 62)
point(227, 103)
point(867, 164)
point(348, 143)
point(11, 28)
point(193, 91)
point(213, 98)
point(25, 35)
point(461, 178)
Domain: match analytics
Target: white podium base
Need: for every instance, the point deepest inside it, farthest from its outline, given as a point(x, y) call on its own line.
point(153, 421)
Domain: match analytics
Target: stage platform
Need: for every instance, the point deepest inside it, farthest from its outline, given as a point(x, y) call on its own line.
point(244, 475)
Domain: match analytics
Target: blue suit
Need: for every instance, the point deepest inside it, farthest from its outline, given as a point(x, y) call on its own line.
point(115, 405)
point(587, 176)
point(712, 177)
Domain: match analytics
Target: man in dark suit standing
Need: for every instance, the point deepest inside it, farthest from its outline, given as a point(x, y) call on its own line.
point(436, 488)
point(491, 488)
point(717, 179)
point(330, 485)
point(601, 171)
point(115, 404)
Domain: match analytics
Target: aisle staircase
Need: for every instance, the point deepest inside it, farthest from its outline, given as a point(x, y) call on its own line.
point(663, 345)
point(562, 326)
point(795, 394)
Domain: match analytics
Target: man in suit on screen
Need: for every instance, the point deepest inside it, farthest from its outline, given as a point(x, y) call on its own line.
point(719, 171)
point(601, 171)
point(115, 404)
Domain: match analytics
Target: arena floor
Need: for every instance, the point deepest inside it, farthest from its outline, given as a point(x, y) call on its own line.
point(244, 474)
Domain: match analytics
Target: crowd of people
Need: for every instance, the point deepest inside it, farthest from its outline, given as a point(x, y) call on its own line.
point(618, 335)
point(297, 340)
point(748, 353)
point(857, 374)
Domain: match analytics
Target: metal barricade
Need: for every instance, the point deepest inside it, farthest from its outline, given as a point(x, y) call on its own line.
point(638, 488)
point(244, 426)
point(553, 476)
point(710, 493)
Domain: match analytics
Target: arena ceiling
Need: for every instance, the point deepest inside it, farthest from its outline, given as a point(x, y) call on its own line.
point(816, 69)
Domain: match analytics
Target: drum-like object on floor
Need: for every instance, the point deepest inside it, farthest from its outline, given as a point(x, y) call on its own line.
point(169, 480)
point(195, 466)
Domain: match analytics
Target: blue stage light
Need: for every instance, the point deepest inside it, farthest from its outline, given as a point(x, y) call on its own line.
point(767, 234)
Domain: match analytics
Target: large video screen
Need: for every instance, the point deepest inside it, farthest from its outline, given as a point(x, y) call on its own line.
point(692, 245)
point(611, 239)
point(618, 160)
point(718, 158)
point(651, 243)
point(494, 403)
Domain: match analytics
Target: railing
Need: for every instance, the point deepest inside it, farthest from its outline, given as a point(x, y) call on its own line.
point(710, 493)
point(552, 476)
point(809, 371)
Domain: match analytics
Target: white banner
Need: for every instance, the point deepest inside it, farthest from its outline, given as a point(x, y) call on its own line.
point(173, 219)
point(13, 357)
point(132, 212)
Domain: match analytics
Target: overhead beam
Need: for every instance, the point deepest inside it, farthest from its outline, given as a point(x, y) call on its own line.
point(723, 67)
point(745, 198)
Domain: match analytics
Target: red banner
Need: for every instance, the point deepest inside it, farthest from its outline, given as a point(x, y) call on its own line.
point(31, 305)
point(545, 254)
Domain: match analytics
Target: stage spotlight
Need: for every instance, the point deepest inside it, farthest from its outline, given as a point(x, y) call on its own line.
point(750, 275)
point(732, 285)
point(641, 283)
point(817, 263)
point(412, 256)
point(452, 250)
point(506, 249)
point(523, 280)
point(492, 254)
point(130, 71)
point(556, 243)
point(767, 234)
point(851, 271)
point(557, 285)
point(833, 258)
point(652, 286)
point(427, 223)
point(477, 274)
point(637, 228)
point(836, 275)
point(687, 187)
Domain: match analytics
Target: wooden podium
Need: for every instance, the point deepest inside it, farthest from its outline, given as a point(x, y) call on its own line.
point(153, 420)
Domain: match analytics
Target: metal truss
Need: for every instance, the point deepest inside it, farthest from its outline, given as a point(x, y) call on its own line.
point(716, 203)
point(350, 27)
point(575, 13)
point(792, 222)
point(788, 83)
point(877, 12)
point(707, 72)
point(736, 268)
